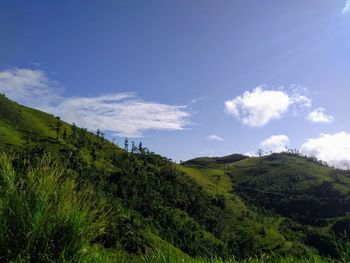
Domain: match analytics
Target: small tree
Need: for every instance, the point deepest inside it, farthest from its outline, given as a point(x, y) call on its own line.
point(133, 147)
point(126, 144)
point(141, 149)
point(260, 152)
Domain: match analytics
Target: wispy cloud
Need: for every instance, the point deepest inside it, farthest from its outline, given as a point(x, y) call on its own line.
point(214, 137)
point(258, 107)
point(319, 115)
point(122, 114)
point(30, 87)
point(275, 143)
point(198, 99)
point(346, 8)
point(332, 148)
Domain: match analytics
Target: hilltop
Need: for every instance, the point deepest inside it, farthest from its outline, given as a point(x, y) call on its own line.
point(209, 206)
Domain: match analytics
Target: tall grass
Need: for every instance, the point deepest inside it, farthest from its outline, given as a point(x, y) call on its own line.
point(42, 216)
point(166, 257)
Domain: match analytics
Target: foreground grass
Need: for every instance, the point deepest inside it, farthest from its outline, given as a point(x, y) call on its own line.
point(164, 257)
point(161, 256)
point(42, 217)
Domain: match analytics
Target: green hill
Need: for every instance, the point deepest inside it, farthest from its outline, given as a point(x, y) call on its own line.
point(231, 206)
point(293, 186)
point(214, 161)
point(310, 199)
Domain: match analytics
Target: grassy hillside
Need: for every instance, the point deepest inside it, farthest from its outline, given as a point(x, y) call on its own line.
point(237, 216)
point(214, 161)
point(159, 204)
point(19, 124)
point(293, 186)
point(148, 209)
point(309, 200)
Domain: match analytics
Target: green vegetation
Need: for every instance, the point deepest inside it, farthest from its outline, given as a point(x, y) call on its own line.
point(213, 162)
point(293, 186)
point(68, 195)
point(42, 217)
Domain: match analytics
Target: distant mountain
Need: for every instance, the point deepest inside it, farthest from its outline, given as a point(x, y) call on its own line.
point(223, 206)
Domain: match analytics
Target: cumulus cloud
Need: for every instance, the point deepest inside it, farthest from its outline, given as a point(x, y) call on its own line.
point(275, 143)
point(258, 107)
point(346, 8)
point(121, 113)
point(319, 115)
point(215, 138)
point(332, 148)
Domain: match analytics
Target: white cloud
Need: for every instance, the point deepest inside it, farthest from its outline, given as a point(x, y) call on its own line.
point(299, 100)
point(120, 113)
point(215, 138)
point(251, 154)
point(346, 8)
point(29, 87)
point(319, 115)
point(332, 148)
point(275, 143)
point(259, 107)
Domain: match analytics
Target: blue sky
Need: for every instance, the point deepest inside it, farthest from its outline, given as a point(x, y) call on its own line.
point(187, 78)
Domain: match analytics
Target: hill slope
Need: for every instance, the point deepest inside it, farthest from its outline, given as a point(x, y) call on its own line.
point(159, 203)
point(293, 186)
point(231, 205)
point(314, 198)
